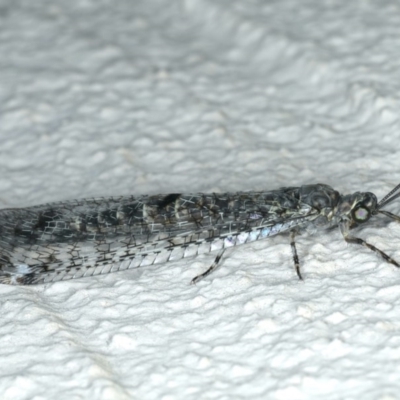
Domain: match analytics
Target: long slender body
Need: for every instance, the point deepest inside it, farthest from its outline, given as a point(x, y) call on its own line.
point(80, 238)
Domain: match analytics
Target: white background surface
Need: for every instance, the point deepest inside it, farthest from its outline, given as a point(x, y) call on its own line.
point(132, 97)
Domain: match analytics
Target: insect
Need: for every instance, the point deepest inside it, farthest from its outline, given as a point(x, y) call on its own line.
point(80, 238)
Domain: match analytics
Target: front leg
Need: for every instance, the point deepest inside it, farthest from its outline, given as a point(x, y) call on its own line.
point(344, 228)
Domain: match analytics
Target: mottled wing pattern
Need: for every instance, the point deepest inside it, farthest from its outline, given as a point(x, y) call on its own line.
point(79, 238)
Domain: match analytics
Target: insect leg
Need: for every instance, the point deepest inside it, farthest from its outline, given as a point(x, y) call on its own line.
point(294, 252)
point(355, 240)
point(211, 269)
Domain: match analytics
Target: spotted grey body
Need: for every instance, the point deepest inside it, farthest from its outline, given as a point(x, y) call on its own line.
point(80, 238)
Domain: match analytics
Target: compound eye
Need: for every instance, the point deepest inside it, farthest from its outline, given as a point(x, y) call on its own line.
point(361, 214)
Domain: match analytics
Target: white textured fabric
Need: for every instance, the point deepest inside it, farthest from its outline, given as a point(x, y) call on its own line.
point(131, 97)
